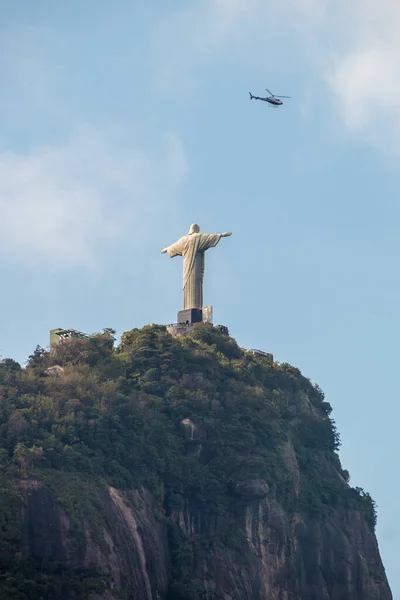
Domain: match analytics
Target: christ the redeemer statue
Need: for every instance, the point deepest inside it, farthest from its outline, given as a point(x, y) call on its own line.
point(192, 248)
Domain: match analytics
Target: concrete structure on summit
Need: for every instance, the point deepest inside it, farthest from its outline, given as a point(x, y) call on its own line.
point(58, 335)
point(192, 248)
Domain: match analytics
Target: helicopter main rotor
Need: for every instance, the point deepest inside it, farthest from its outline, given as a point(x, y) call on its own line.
point(269, 92)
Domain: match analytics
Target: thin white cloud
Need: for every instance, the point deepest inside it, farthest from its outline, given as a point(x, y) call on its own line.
point(365, 73)
point(63, 205)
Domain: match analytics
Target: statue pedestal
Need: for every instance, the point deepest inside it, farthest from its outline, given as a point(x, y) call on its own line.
point(195, 315)
point(190, 316)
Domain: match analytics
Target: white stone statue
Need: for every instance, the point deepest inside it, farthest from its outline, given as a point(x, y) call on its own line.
point(192, 248)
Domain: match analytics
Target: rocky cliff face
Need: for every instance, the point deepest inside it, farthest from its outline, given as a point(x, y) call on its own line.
point(177, 470)
point(288, 557)
point(128, 549)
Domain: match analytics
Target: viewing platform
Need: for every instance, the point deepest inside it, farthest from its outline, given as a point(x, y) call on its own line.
point(58, 335)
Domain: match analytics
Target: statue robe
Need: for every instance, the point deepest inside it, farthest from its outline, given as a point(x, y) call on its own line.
point(192, 248)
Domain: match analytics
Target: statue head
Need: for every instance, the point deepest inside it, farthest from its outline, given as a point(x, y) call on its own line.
point(194, 228)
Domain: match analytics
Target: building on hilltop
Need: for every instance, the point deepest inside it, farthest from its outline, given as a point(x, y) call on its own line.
point(58, 335)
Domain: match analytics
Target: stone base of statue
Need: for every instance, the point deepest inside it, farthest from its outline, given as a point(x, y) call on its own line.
point(190, 316)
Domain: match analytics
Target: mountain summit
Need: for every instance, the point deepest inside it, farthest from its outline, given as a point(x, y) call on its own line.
point(176, 468)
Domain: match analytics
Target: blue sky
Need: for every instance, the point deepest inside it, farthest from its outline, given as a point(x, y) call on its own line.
point(123, 123)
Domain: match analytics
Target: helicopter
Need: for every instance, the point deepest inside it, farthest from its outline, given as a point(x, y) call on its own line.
point(273, 100)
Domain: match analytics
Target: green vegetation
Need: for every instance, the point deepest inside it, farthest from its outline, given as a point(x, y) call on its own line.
point(113, 416)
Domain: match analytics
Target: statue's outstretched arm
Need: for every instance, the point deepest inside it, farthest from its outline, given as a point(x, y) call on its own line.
point(226, 234)
point(175, 249)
